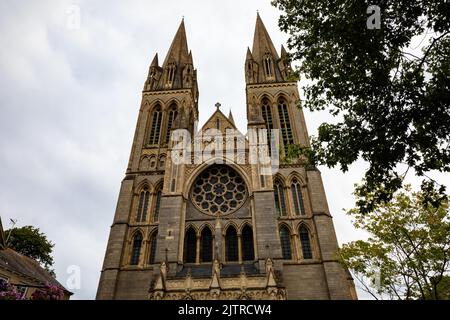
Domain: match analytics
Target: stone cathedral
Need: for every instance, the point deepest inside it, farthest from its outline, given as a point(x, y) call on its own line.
point(221, 228)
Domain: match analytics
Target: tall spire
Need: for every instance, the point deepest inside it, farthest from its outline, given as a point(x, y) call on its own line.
point(178, 51)
point(178, 70)
point(263, 63)
point(262, 42)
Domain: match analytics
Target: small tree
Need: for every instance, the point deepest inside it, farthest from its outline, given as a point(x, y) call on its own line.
point(408, 252)
point(32, 243)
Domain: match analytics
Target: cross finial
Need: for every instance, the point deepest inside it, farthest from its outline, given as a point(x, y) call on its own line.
point(217, 105)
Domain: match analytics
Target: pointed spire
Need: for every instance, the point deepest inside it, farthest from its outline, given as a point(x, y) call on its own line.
point(155, 61)
point(249, 54)
point(189, 60)
point(178, 50)
point(230, 117)
point(262, 41)
point(283, 52)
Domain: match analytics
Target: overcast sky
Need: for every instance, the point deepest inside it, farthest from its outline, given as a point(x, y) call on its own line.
point(69, 99)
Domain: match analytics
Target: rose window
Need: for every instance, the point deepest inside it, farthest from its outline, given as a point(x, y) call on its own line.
point(219, 190)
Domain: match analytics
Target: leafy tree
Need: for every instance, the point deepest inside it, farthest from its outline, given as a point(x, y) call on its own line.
point(407, 255)
point(32, 243)
point(388, 88)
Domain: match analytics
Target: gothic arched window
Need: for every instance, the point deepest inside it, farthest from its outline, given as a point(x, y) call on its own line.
point(231, 244)
point(136, 249)
point(280, 203)
point(152, 248)
point(170, 119)
point(306, 242)
point(285, 124)
point(297, 198)
point(285, 239)
point(155, 128)
point(170, 73)
point(268, 65)
point(157, 204)
point(206, 247)
point(144, 197)
point(248, 252)
point(267, 116)
point(190, 246)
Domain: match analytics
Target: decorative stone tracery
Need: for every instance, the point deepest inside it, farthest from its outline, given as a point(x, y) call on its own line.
point(219, 190)
point(261, 286)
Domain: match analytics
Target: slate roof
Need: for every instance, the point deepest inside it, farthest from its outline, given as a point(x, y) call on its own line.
point(26, 267)
point(18, 263)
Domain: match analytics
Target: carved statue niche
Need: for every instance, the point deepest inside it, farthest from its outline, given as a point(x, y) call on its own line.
point(183, 120)
point(253, 112)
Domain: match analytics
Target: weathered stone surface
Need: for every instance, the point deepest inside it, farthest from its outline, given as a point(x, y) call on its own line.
point(256, 270)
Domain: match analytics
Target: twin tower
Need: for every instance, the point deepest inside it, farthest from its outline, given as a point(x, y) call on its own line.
point(221, 228)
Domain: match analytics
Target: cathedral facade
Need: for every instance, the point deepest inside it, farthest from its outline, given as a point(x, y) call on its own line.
point(200, 216)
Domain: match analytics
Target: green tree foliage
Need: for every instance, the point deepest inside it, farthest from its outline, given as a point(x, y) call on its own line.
point(391, 102)
point(32, 243)
point(407, 254)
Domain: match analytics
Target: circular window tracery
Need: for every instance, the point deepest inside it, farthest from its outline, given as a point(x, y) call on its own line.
point(219, 190)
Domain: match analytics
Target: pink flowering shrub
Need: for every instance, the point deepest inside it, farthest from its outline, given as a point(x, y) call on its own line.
point(49, 292)
point(8, 291)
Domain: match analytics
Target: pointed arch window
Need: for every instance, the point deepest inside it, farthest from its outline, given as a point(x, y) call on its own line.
point(248, 252)
point(144, 197)
point(268, 67)
point(280, 202)
point(155, 127)
point(297, 197)
point(285, 124)
point(173, 113)
point(152, 248)
point(231, 244)
point(267, 116)
point(285, 239)
point(157, 204)
point(190, 246)
point(306, 242)
point(206, 248)
point(136, 249)
point(170, 73)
